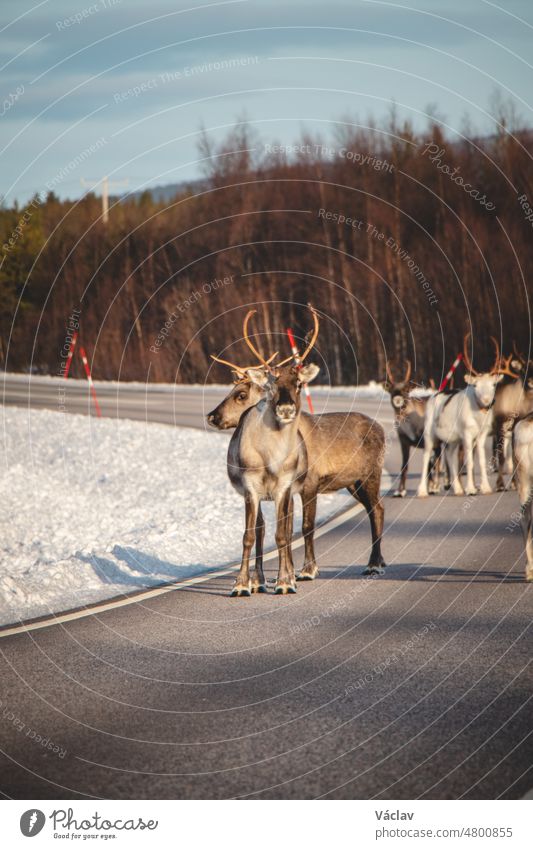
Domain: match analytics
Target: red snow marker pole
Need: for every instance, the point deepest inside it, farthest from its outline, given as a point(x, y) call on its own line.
point(70, 354)
point(90, 380)
point(296, 355)
point(455, 363)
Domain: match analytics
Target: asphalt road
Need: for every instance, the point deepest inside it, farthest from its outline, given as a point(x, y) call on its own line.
point(181, 405)
point(416, 684)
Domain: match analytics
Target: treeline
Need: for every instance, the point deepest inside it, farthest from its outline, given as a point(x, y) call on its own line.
point(401, 240)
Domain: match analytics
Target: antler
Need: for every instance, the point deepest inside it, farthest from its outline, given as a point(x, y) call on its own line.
point(249, 342)
point(407, 375)
point(505, 367)
point(466, 358)
point(316, 327)
point(502, 365)
point(240, 369)
point(498, 361)
point(519, 356)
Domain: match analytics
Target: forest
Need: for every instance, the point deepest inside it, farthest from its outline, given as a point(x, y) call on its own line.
point(403, 241)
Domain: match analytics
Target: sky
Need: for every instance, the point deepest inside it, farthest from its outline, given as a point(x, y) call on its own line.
point(124, 87)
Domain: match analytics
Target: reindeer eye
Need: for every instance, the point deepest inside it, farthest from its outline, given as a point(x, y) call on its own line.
point(241, 396)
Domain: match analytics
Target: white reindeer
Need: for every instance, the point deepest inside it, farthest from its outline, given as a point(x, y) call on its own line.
point(523, 457)
point(465, 417)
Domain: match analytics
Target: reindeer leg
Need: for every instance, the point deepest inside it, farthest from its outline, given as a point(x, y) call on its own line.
point(258, 578)
point(423, 485)
point(508, 453)
point(310, 569)
point(447, 473)
point(500, 454)
point(242, 584)
point(286, 582)
point(452, 458)
point(485, 486)
point(526, 520)
point(469, 456)
point(434, 472)
point(368, 494)
point(401, 492)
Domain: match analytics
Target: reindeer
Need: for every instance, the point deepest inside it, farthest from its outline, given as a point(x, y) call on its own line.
point(463, 417)
point(522, 440)
point(514, 399)
point(409, 418)
point(267, 460)
point(344, 450)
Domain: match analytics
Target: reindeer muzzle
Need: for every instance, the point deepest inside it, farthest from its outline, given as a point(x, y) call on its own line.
point(285, 413)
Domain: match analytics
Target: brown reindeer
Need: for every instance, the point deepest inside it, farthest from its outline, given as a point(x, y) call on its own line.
point(513, 400)
point(344, 450)
point(409, 416)
point(267, 461)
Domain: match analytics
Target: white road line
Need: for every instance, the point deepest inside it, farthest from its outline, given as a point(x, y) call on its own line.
point(113, 604)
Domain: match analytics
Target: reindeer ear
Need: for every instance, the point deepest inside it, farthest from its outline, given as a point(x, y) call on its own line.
point(308, 373)
point(236, 376)
point(516, 365)
point(258, 376)
point(470, 379)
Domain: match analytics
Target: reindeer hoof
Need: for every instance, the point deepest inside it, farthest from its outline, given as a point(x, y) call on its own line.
point(307, 576)
point(239, 591)
point(399, 493)
point(372, 569)
point(259, 588)
point(500, 487)
point(284, 589)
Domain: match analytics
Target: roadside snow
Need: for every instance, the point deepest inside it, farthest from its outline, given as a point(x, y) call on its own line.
point(93, 508)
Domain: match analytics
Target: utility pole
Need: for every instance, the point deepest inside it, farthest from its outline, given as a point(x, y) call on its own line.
point(106, 185)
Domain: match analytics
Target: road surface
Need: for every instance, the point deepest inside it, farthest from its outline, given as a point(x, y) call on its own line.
point(176, 405)
point(416, 684)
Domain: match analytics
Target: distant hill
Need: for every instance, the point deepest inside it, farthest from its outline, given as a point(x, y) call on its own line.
point(164, 194)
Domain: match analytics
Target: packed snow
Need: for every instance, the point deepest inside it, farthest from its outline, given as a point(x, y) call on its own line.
point(94, 508)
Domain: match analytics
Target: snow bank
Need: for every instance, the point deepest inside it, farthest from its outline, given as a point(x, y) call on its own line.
point(94, 508)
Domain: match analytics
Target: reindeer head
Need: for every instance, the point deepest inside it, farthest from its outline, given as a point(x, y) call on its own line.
point(252, 383)
point(484, 383)
point(281, 383)
point(245, 394)
point(523, 368)
point(398, 390)
point(282, 387)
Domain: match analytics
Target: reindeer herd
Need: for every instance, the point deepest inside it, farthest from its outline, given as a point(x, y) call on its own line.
point(278, 451)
